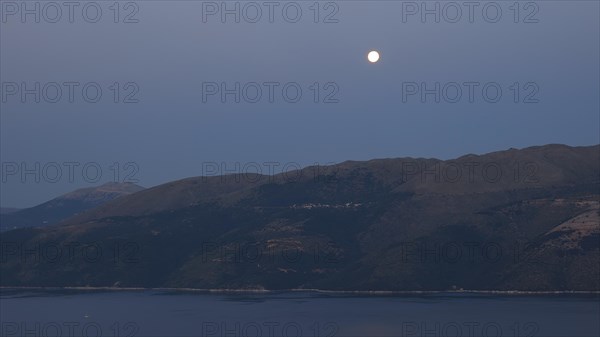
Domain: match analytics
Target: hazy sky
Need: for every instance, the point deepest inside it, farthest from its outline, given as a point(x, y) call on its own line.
point(174, 62)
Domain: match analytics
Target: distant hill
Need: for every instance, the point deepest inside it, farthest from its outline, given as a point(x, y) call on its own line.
point(510, 220)
point(6, 210)
point(65, 206)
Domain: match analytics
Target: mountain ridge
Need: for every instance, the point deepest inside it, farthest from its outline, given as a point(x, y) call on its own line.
point(388, 225)
point(66, 205)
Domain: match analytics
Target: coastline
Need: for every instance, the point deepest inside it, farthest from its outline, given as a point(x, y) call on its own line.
point(321, 291)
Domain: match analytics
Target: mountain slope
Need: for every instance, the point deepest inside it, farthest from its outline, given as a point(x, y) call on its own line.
point(388, 224)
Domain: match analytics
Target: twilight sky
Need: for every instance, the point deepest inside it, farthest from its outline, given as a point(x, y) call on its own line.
point(173, 65)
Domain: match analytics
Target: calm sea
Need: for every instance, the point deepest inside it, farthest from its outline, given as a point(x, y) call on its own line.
point(152, 313)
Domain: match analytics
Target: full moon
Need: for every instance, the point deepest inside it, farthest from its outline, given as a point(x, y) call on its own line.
point(373, 56)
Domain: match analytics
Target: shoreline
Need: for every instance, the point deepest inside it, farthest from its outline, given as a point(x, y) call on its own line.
point(321, 291)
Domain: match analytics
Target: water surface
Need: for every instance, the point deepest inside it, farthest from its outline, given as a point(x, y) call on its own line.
point(163, 313)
